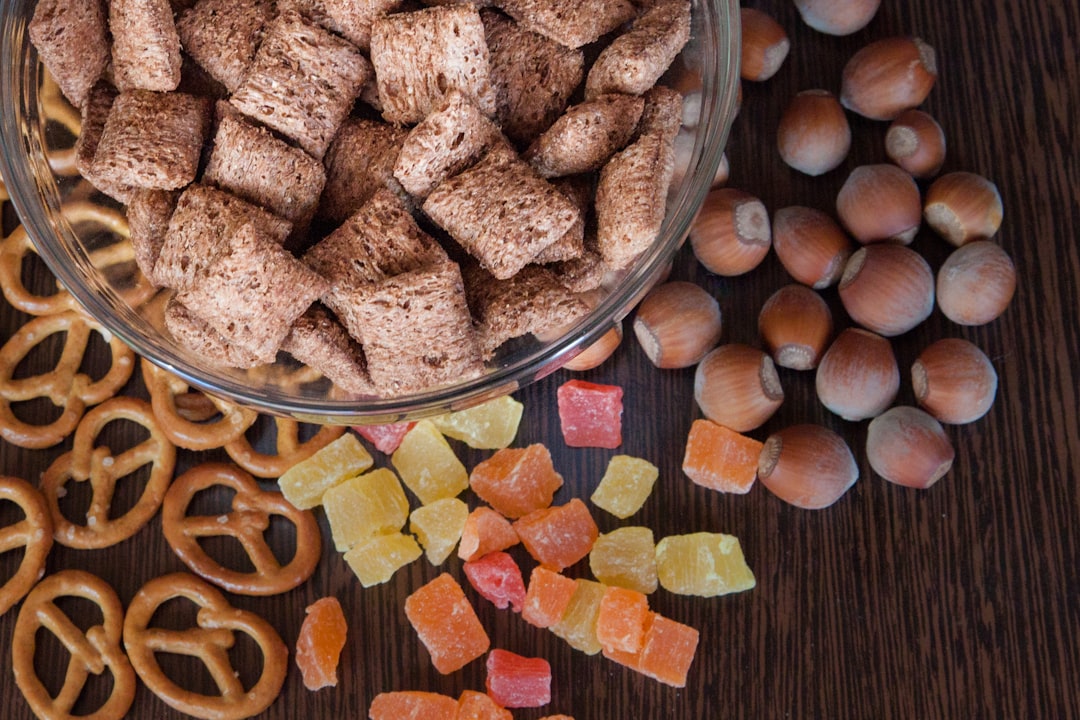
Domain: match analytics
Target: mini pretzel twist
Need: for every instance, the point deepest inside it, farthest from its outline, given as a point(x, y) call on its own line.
point(165, 390)
point(248, 521)
point(92, 652)
point(209, 641)
point(64, 385)
point(56, 108)
point(34, 533)
point(103, 469)
point(288, 446)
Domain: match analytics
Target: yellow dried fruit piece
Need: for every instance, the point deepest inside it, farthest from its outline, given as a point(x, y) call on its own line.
point(363, 506)
point(428, 465)
point(376, 560)
point(704, 564)
point(626, 485)
point(304, 483)
point(438, 527)
point(578, 624)
point(491, 425)
point(626, 557)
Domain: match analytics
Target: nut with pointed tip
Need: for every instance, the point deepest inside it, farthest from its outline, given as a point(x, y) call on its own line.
point(808, 466)
point(963, 206)
point(814, 135)
point(976, 283)
point(594, 355)
point(810, 245)
point(916, 142)
point(878, 203)
point(765, 45)
point(858, 377)
point(677, 323)
point(888, 76)
point(737, 386)
point(954, 381)
point(731, 234)
point(796, 324)
point(887, 288)
point(907, 446)
point(837, 17)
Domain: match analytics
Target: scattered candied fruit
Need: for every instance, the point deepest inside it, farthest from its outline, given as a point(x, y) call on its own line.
point(319, 645)
point(626, 485)
point(515, 681)
point(517, 481)
point(721, 459)
point(485, 532)
point(704, 564)
point(304, 483)
point(446, 624)
point(557, 537)
point(666, 652)
point(620, 624)
point(438, 527)
point(473, 705)
point(590, 414)
point(376, 560)
point(488, 426)
point(386, 437)
point(364, 506)
point(498, 578)
point(547, 597)
point(626, 557)
point(412, 705)
point(428, 466)
point(578, 624)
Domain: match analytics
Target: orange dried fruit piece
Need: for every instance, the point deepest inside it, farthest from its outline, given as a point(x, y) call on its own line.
point(319, 645)
point(473, 705)
point(704, 564)
point(557, 537)
point(626, 557)
point(438, 527)
point(485, 531)
point(446, 624)
point(488, 426)
point(305, 482)
point(516, 481)
point(412, 705)
point(721, 459)
point(620, 623)
point(547, 597)
point(377, 559)
point(626, 485)
point(428, 466)
point(364, 506)
point(578, 624)
point(667, 651)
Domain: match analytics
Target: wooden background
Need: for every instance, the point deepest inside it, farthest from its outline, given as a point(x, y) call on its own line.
point(959, 602)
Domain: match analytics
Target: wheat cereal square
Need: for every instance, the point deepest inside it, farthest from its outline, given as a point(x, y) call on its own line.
point(148, 215)
point(584, 137)
point(352, 19)
point(359, 162)
point(320, 342)
point(145, 47)
point(94, 113)
point(579, 189)
point(572, 24)
point(222, 36)
point(194, 333)
point(635, 60)
point(71, 37)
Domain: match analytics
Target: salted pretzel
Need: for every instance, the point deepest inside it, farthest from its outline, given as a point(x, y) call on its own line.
point(209, 641)
point(64, 385)
point(247, 521)
point(93, 652)
point(55, 108)
point(103, 469)
point(289, 449)
point(166, 391)
point(34, 533)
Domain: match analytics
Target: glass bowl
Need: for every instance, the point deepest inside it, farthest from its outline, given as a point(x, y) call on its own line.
point(83, 238)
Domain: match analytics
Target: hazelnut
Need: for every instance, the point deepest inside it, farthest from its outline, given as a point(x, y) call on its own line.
point(795, 324)
point(916, 143)
point(837, 17)
point(954, 381)
point(808, 466)
point(858, 377)
point(731, 234)
point(598, 352)
point(814, 136)
point(677, 323)
point(765, 45)
point(976, 283)
point(737, 387)
point(887, 288)
point(963, 206)
point(907, 446)
point(888, 76)
point(880, 202)
point(810, 245)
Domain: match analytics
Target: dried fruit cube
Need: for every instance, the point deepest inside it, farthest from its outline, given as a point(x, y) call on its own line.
point(719, 458)
point(305, 482)
point(547, 598)
point(498, 578)
point(428, 466)
point(473, 705)
point(438, 527)
point(485, 532)
point(590, 414)
point(376, 560)
point(620, 624)
point(386, 437)
point(625, 486)
point(578, 624)
point(705, 564)
point(515, 681)
point(516, 481)
point(446, 624)
point(625, 557)
point(557, 537)
point(666, 652)
point(557, 717)
point(412, 705)
point(364, 506)
point(488, 426)
point(319, 645)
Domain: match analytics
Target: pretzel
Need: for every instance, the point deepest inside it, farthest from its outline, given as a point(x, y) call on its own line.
point(34, 533)
point(247, 522)
point(64, 385)
point(55, 108)
point(166, 389)
point(210, 641)
point(289, 449)
point(103, 469)
point(95, 651)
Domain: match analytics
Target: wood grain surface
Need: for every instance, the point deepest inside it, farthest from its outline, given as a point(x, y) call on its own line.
point(958, 602)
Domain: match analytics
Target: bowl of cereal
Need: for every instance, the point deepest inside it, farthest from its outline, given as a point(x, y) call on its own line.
point(361, 219)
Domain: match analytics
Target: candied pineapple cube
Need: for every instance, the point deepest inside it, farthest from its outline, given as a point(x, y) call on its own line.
point(704, 564)
point(578, 624)
point(428, 465)
point(626, 485)
point(621, 623)
point(363, 506)
point(377, 559)
point(626, 557)
point(720, 458)
point(488, 426)
point(438, 527)
point(305, 482)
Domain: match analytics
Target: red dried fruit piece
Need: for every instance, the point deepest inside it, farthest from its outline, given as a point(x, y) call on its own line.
point(620, 625)
point(498, 578)
point(666, 653)
point(547, 598)
point(517, 481)
point(446, 624)
point(474, 705)
point(486, 531)
point(412, 705)
point(557, 537)
point(385, 438)
point(318, 647)
point(590, 414)
point(515, 681)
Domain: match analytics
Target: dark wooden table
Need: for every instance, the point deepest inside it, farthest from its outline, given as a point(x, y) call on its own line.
point(958, 602)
